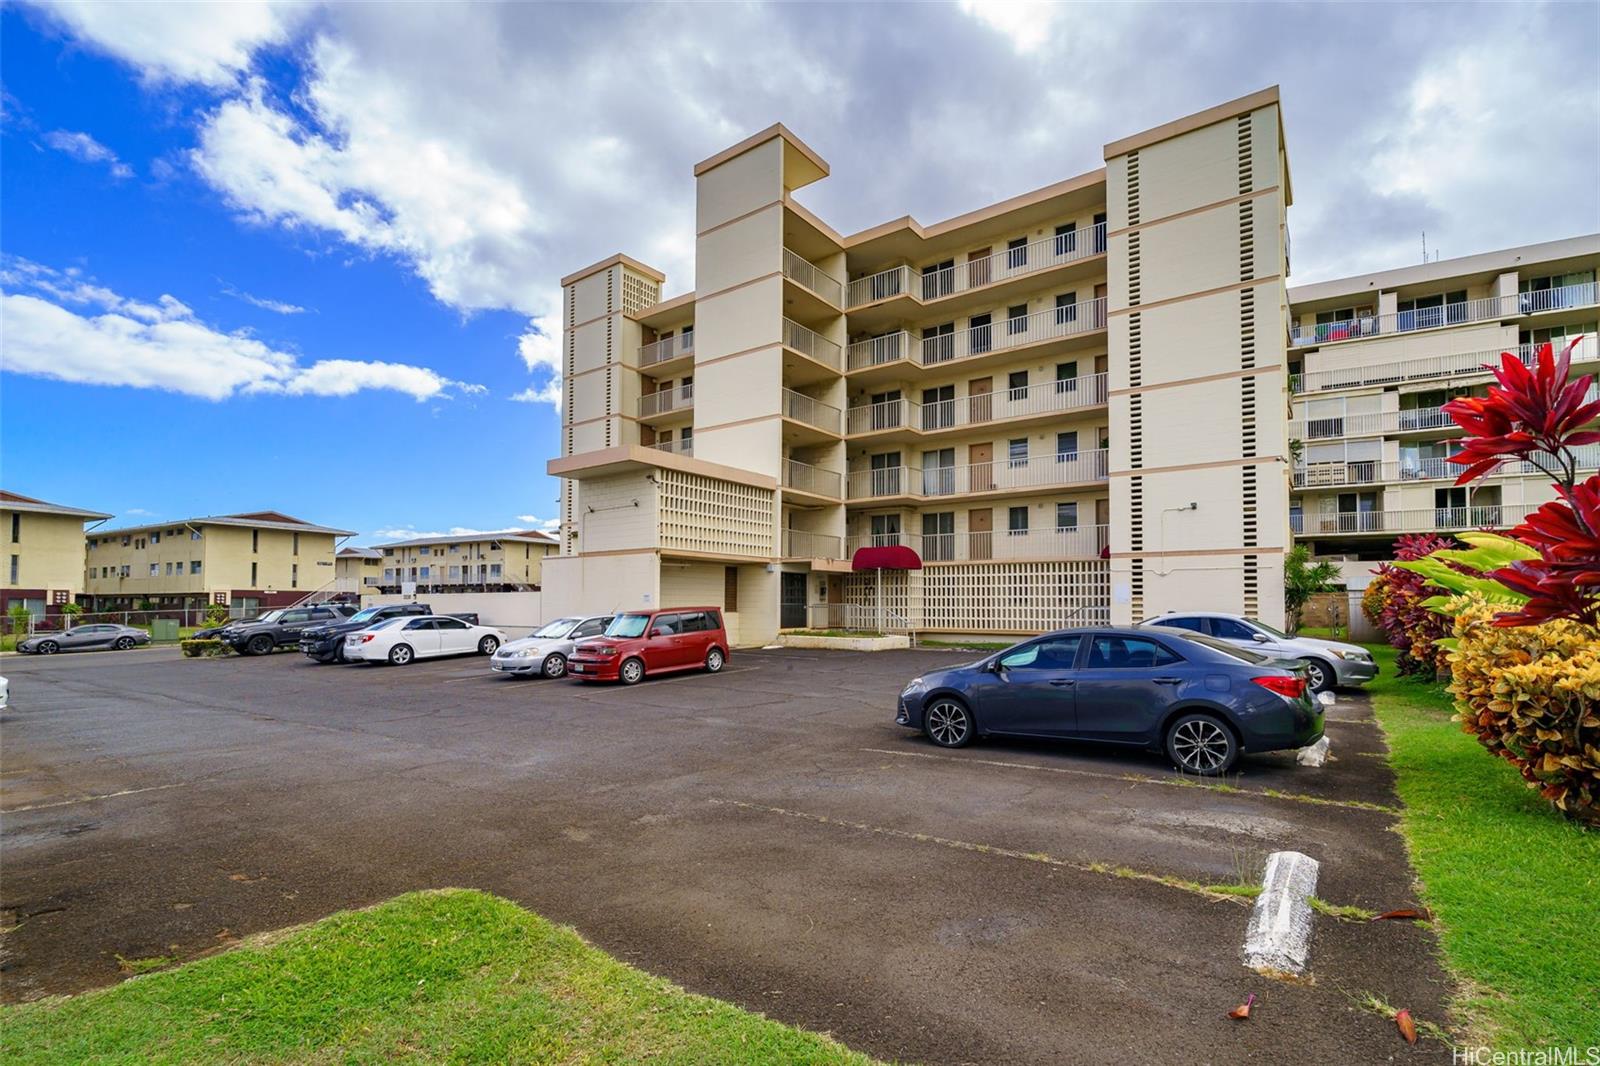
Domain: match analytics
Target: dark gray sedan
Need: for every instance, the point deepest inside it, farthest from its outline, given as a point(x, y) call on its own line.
point(93, 637)
point(1200, 700)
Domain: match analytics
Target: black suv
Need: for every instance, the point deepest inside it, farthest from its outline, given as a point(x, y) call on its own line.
point(324, 642)
point(276, 629)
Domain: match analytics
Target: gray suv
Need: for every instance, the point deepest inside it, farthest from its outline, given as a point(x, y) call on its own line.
point(280, 628)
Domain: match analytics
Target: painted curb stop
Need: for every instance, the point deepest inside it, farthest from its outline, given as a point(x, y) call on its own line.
point(1278, 938)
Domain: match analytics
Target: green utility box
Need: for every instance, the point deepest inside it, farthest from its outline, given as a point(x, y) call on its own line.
point(164, 630)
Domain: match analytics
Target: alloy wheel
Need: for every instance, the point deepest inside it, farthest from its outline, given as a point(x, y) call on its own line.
point(49, 647)
point(487, 645)
point(400, 654)
point(948, 723)
point(124, 643)
point(1200, 746)
point(632, 672)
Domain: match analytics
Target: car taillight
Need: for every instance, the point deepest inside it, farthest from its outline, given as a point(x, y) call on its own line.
point(1292, 687)
point(367, 637)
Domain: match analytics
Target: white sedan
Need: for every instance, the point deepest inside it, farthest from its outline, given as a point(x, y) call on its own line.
point(397, 641)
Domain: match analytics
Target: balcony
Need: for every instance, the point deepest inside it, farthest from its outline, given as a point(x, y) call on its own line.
point(1408, 420)
point(1418, 520)
point(813, 345)
point(800, 544)
point(929, 285)
point(1053, 323)
point(666, 349)
point(807, 275)
point(1008, 476)
point(666, 401)
point(1467, 364)
point(812, 413)
point(1486, 309)
point(681, 446)
point(814, 480)
point(1373, 472)
point(1042, 400)
point(1076, 542)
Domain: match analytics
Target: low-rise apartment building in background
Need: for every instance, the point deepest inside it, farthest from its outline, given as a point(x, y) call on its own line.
point(512, 561)
point(357, 570)
point(250, 561)
point(44, 553)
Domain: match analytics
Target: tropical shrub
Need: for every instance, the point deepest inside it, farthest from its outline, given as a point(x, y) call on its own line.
point(1407, 623)
point(211, 648)
point(1373, 597)
point(216, 614)
point(1303, 579)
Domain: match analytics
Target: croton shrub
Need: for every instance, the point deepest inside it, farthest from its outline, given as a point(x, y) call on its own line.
point(1399, 607)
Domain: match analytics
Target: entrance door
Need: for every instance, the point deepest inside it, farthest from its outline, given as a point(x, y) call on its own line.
point(980, 458)
point(1100, 308)
point(1102, 525)
point(980, 399)
point(792, 601)
point(979, 270)
point(980, 532)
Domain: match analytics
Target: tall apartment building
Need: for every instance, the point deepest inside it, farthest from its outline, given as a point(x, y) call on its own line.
point(1072, 404)
point(44, 553)
point(1374, 358)
point(489, 562)
point(260, 559)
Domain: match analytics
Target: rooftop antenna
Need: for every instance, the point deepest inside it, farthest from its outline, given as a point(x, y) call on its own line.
point(1424, 246)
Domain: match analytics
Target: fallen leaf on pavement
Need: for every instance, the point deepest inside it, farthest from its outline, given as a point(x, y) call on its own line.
point(1408, 1028)
point(1242, 1011)
point(1422, 915)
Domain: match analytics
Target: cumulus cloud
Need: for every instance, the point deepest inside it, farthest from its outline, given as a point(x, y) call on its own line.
point(68, 328)
point(412, 533)
point(86, 149)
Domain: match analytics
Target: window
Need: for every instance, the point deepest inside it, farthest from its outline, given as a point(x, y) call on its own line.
point(424, 573)
point(939, 472)
point(294, 548)
point(421, 623)
point(1194, 625)
point(14, 563)
point(155, 537)
point(1017, 385)
point(1066, 238)
point(1128, 653)
point(978, 336)
point(1067, 516)
point(939, 407)
point(388, 551)
point(592, 628)
point(155, 569)
point(1017, 253)
point(255, 540)
point(1017, 452)
point(1066, 308)
point(16, 529)
point(1017, 521)
point(169, 569)
point(127, 571)
point(730, 588)
point(885, 473)
point(1066, 377)
point(494, 569)
point(1099, 233)
point(939, 535)
point(1051, 653)
point(939, 343)
point(424, 550)
point(937, 280)
point(1228, 629)
point(1017, 319)
point(885, 529)
point(194, 534)
point(1066, 446)
point(194, 566)
point(449, 623)
point(455, 573)
point(294, 575)
point(1425, 312)
point(252, 575)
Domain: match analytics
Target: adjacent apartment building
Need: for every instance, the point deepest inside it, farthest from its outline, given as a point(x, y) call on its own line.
point(1073, 404)
point(488, 562)
point(1374, 358)
point(44, 553)
point(357, 570)
point(250, 561)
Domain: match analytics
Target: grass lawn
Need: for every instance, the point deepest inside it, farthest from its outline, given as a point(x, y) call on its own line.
point(428, 976)
point(1515, 887)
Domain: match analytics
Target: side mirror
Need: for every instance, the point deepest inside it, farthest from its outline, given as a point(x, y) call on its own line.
point(654, 632)
point(1260, 638)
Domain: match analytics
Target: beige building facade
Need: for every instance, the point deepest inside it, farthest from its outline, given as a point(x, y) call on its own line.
point(999, 392)
point(498, 562)
point(357, 570)
point(259, 559)
point(44, 557)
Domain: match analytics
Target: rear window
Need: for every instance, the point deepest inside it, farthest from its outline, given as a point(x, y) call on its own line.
point(1232, 651)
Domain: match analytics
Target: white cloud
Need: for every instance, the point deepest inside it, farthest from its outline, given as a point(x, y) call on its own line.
point(117, 341)
point(529, 521)
point(137, 511)
point(549, 392)
point(412, 533)
point(1026, 23)
point(277, 307)
point(86, 149)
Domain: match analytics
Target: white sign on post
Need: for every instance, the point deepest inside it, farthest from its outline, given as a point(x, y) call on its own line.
point(408, 588)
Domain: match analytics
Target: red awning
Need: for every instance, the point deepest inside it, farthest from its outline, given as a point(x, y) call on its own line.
point(888, 557)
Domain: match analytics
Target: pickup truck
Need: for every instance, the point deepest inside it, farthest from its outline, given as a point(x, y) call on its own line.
point(279, 628)
point(324, 642)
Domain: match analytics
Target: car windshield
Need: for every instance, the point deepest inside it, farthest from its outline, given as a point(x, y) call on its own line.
point(1268, 629)
point(559, 628)
point(1233, 651)
point(363, 615)
point(628, 625)
point(270, 616)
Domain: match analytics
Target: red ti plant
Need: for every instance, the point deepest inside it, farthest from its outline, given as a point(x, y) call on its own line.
point(1537, 416)
point(1409, 626)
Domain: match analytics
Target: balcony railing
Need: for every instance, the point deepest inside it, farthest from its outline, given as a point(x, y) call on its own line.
point(1049, 397)
point(1408, 420)
point(933, 284)
point(806, 274)
point(1044, 471)
point(1373, 471)
point(1417, 520)
point(812, 411)
point(1052, 323)
point(802, 544)
point(804, 477)
point(1488, 308)
point(812, 344)
point(1438, 366)
point(681, 446)
point(1075, 542)
point(667, 348)
point(665, 400)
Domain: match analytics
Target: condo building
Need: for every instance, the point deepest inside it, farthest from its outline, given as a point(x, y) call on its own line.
point(1071, 405)
point(1374, 358)
point(489, 562)
point(44, 553)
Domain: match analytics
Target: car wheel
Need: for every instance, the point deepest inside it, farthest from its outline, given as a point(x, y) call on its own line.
point(401, 654)
point(48, 647)
point(1321, 675)
point(123, 643)
point(714, 660)
point(338, 652)
point(948, 723)
point(1202, 744)
point(555, 665)
point(632, 672)
point(487, 645)
point(260, 645)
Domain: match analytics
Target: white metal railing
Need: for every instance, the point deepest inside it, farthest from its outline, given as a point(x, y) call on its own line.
point(1407, 420)
point(1415, 520)
point(681, 446)
point(803, 272)
point(667, 348)
point(934, 283)
point(664, 400)
point(1068, 468)
point(1085, 316)
point(1075, 542)
point(1484, 309)
point(1415, 468)
point(1048, 397)
point(1438, 366)
point(813, 479)
point(812, 344)
point(803, 544)
point(812, 411)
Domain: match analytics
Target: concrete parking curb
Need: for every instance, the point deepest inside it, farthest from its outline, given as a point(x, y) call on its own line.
point(1278, 938)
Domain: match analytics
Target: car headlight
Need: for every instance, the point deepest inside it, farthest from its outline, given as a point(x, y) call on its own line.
point(522, 653)
point(1336, 653)
point(915, 685)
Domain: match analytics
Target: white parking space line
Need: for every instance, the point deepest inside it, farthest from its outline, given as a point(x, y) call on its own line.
point(89, 799)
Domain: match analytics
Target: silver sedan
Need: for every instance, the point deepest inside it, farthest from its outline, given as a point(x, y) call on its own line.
point(91, 637)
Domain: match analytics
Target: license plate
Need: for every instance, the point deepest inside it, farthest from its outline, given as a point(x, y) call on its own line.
point(579, 668)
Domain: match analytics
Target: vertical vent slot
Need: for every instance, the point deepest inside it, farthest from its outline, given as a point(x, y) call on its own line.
point(1134, 268)
point(1133, 188)
point(1252, 586)
point(1246, 133)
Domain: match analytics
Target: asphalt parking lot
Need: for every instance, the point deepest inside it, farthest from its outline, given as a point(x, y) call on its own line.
point(766, 835)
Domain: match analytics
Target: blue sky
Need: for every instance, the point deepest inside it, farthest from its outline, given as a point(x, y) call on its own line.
point(305, 257)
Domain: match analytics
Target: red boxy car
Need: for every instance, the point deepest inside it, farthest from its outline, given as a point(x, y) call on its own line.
point(637, 643)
